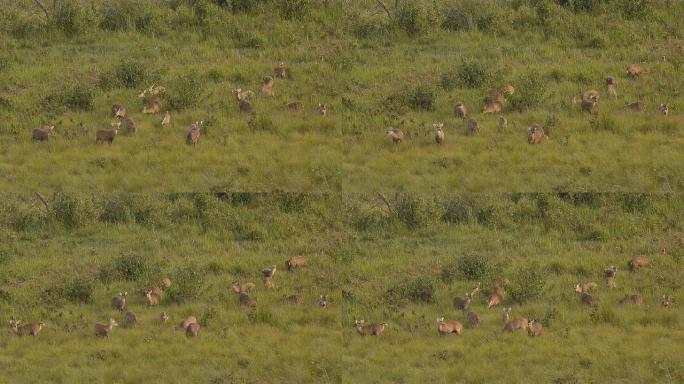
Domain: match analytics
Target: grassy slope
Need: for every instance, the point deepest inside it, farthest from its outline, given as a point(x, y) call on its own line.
point(281, 343)
point(348, 150)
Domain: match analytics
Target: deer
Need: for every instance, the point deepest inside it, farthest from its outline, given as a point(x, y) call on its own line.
point(237, 287)
point(632, 299)
point(163, 317)
point(611, 86)
point(665, 301)
point(587, 299)
point(268, 275)
point(43, 133)
point(130, 126)
point(130, 319)
point(473, 319)
point(108, 135)
point(103, 330)
point(166, 119)
point(321, 109)
point(610, 274)
point(243, 297)
point(534, 328)
point(185, 323)
point(493, 107)
point(664, 109)
point(460, 110)
point(503, 123)
point(295, 299)
point(119, 111)
point(516, 324)
point(267, 86)
point(192, 330)
point(462, 303)
point(586, 287)
point(638, 262)
point(152, 106)
point(473, 126)
point(295, 262)
point(506, 314)
point(448, 327)
point(589, 104)
point(496, 293)
point(535, 134)
point(439, 133)
point(280, 71)
point(322, 301)
point(153, 297)
point(32, 329)
point(635, 70)
point(241, 96)
point(119, 302)
point(396, 134)
point(295, 106)
point(637, 106)
point(371, 329)
point(193, 135)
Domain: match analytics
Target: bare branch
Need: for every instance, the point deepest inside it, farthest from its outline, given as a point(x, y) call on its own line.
point(41, 6)
point(387, 202)
point(43, 200)
point(384, 6)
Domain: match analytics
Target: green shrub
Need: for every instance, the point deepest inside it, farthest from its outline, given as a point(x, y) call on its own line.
point(186, 92)
point(421, 98)
point(72, 210)
point(294, 9)
point(530, 92)
point(419, 291)
point(260, 122)
point(473, 267)
point(76, 291)
point(79, 97)
point(458, 210)
point(188, 282)
point(473, 74)
point(604, 314)
point(71, 17)
point(411, 18)
point(636, 9)
point(116, 210)
point(127, 74)
point(129, 267)
point(528, 283)
point(415, 211)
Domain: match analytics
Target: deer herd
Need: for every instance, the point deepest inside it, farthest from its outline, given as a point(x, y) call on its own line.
point(495, 101)
point(494, 298)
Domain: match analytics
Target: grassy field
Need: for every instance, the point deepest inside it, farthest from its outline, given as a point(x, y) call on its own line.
point(371, 71)
point(401, 265)
point(261, 188)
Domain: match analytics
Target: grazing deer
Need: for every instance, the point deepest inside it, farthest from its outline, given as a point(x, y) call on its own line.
point(241, 96)
point(246, 300)
point(396, 134)
point(119, 302)
point(496, 293)
point(193, 135)
point(103, 330)
point(473, 319)
point(321, 109)
point(42, 134)
point(462, 303)
point(473, 126)
point(163, 317)
point(589, 104)
point(664, 109)
point(130, 319)
point(32, 329)
point(632, 299)
point(152, 106)
point(460, 110)
point(493, 107)
point(295, 106)
point(192, 330)
point(439, 133)
point(610, 274)
point(534, 328)
point(130, 126)
point(586, 287)
point(185, 323)
point(118, 111)
point(243, 297)
point(586, 298)
point(371, 329)
point(268, 275)
point(448, 327)
point(503, 123)
point(166, 119)
point(638, 262)
point(665, 301)
point(165, 282)
point(635, 70)
point(322, 301)
point(153, 297)
point(611, 86)
point(507, 90)
point(506, 314)
point(516, 324)
point(280, 71)
point(535, 134)
point(295, 299)
point(267, 86)
point(637, 106)
point(237, 287)
point(295, 262)
point(108, 135)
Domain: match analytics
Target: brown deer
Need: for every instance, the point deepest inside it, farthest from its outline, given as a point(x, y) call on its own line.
point(503, 123)
point(295, 106)
point(185, 323)
point(460, 110)
point(664, 109)
point(535, 134)
point(473, 319)
point(439, 133)
point(241, 96)
point(635, 70)
point(267, 86)
point(280, 71)
point(322, 301)
point(295, 299)
point(473, 126)
point(589, 104)
point(321, 109)
point(506, 314)
point(268, 275)
point(119, 302)
point(371, 329)
point(103, 330)
point(448, 327)
point(42, 134)
point(534, 328)
point(610, 274)
point(462, 303)
point(638, 262)
point(665, 301)
point(118, 111)
point(396, 134)
point(152, 106)
point(163, 317)
point(32, 329)
point(243, 297)
point(295, 262)
point(166, 119)
point(237, 287)
point(586, 298)
point(153, 297)
point(130, 319)
point(637, 106)
point(516, 324)
point(632, 299)
point(130, 126)
point(108, 135)
point(611, 86)
point(493, 107)
point(586, 287)
point(192, 330)
point(193, 135)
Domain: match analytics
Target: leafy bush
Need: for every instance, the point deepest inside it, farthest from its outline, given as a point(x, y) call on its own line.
point(71, 18)
point(76, 291)
point(420, 291)
point(186, 92)
point(72, 210)
point(474, 267)
point(294, 9)
point(527, 283)
point(604, 315)
point(414, 211)
point(470, 16)
point(411, 18)
point(421, 98)
point(260, 122)
point(116, 211)
point(636, 9)
point(127, 74)
point(188, 282)
point(530, 92)
point(473, 74)
point(79, 97)
point(458, 210)
point(129, 267)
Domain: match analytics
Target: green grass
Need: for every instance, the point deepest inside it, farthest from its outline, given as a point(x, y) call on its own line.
point(329, 63)
point(357, 251)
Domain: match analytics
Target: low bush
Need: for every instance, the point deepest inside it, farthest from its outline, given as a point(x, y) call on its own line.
point(186, 92)
point(419, 291)
point(527, 283)
point(530, 92)
point(188, 282)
